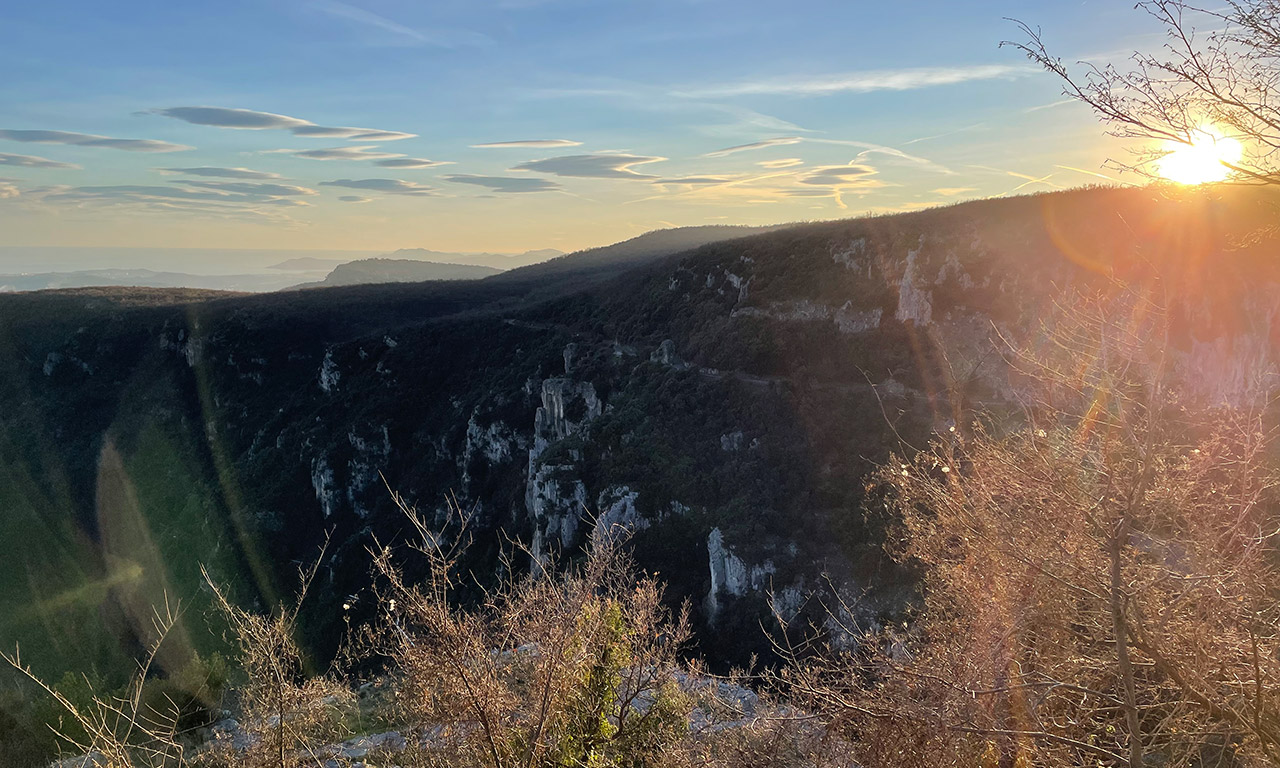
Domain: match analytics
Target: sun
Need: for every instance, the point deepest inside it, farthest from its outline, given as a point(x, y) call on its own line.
point(1205, 159)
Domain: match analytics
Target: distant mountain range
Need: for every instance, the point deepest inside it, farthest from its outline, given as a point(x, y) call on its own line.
point(407, 265)
point(497, 261)
point(501, 261)
point(369, 271)
point(147, 278)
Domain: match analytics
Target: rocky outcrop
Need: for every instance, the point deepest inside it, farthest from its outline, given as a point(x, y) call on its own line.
point(329, 375)
point(555, 499)
point(730, 575)
point(915, 300)
point(617, 515)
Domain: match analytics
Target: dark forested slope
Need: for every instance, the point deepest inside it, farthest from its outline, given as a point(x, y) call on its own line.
point(725, 401)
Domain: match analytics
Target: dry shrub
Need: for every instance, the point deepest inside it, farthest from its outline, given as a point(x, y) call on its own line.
point(285, 714)
point(572, 666)
point(124, 730)
point(1101, 584)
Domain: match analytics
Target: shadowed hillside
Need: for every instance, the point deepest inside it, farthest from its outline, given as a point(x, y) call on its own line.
point(726, 401)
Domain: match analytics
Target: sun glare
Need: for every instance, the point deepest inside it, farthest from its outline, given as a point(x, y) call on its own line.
point(1205, 159)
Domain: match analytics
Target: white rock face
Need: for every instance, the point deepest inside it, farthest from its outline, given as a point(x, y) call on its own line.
point(618, 514)
point(666, 355)
point(953, 267)
point(730, 575)
point(852, 256)
point(494, 442)
point(915, 300)
point(362, 469)
point(329, 373)
point(550, 422)
point(553, 500)
point(325, 487)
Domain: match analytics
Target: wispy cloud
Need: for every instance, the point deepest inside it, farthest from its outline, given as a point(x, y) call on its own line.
point(601, 166)
point(838, 176)
point(867, 148)
point(183, 196)
point(694, 180)
point(1030, 180)
point(90, 140)
point(861, 82)
point(528, 143)
point(778, 142)
point(337, 153)
point(1050, 105)
point(386, 186)
point(784, 162)
point(1086, 172)
point(411, 163)
point(506, 183)
point(253, 120)
point(223, 173)
point(31, 161)
point(354, 199)
point(439, 38)
point(954, 191)
point(250, 188)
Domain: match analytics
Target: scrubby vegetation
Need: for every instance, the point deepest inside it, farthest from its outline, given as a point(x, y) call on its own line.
point(1098, 587)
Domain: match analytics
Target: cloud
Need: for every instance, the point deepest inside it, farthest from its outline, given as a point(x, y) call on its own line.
point(253, 120)
point(354, 199)
point(692, 180)
point(755, 145)
point(863, 82)
point(604, 166)
point(891, 152)
point(388, 186)
point(440, 38)
point(528, 143)
point(8, 190)
point(339, 153)
point(173, 198)
point(411, 162)
point(250, 188)
point(506, 183)
point(953, 191)
point(31, 161)
point(91, 140)
point(785, 162)
point(838, 176)
point(126, 191)
point(223, 173)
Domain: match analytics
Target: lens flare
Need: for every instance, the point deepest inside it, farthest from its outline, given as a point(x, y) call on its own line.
point(1207, 158)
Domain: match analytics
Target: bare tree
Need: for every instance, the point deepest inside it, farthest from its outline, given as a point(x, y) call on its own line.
point(1219, 70)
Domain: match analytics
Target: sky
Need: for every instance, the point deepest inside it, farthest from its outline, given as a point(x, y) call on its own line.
point(506, 125)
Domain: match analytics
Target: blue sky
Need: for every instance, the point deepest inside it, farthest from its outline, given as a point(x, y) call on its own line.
point(361, 124)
